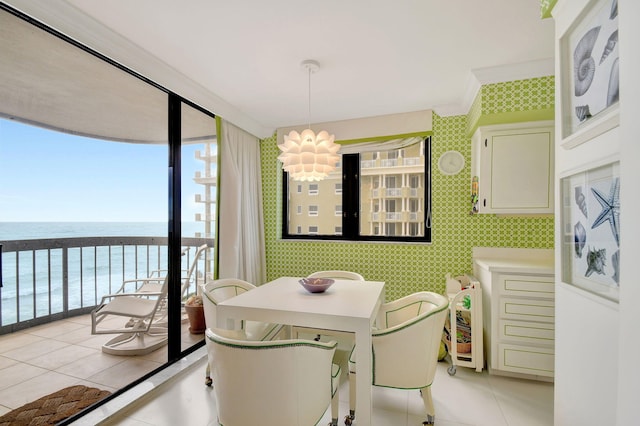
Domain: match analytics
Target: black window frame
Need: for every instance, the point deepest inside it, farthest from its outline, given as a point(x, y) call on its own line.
point(351, 205)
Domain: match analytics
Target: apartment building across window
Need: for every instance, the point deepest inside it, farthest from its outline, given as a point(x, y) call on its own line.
point(380, 195)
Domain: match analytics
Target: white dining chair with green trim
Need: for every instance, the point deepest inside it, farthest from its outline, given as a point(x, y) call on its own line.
point(217, 291)
point(280, 382)
point(405, 345)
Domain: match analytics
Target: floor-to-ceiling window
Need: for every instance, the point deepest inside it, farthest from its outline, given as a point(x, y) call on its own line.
point(86, 190)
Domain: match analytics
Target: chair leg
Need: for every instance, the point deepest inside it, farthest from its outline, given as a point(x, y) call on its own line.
point(348, 420)
point(428, 404)
point(335, 402)
point(207, 379)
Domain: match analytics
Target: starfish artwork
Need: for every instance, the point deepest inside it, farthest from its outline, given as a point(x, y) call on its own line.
point(610, 209)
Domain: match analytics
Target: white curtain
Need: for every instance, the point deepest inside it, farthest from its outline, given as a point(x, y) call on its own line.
point(241, 230)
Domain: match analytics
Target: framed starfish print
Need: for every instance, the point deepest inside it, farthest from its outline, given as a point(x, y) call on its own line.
point(591, 230)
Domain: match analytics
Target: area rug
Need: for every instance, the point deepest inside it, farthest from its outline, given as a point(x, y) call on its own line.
point(54, 408)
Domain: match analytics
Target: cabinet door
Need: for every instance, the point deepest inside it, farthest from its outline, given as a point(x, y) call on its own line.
point(515, 170)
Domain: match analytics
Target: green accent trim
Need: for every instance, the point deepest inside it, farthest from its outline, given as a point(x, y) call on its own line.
point(513, 117)
point(385, 138)
point(276, 344)
point(411, 388)
point(410, 322)
point(546, 7)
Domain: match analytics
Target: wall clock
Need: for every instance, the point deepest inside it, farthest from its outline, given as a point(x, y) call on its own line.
point(450, 163)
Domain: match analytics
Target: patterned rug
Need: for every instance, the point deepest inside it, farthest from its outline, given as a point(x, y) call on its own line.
point(53, 408)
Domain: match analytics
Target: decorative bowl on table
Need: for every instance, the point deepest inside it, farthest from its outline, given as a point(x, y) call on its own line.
point(316, 285)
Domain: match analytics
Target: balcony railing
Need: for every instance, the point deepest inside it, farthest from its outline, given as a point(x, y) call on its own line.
point(46, 280)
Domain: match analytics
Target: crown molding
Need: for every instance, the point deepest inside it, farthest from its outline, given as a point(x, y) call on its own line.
point(481, 76)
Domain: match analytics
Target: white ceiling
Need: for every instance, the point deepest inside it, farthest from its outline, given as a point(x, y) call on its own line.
point(376, 56)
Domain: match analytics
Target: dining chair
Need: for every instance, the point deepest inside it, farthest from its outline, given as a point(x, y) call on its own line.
point(281, 382)
point(405, 345)
point(217, 291)
point(334, 274)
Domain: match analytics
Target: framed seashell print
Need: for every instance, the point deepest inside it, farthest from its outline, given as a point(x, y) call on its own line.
point(589, 74)
point(590, 220)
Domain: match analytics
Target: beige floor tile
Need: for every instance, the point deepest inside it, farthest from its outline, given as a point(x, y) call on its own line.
point(34, 388)
point(4, 410)
point(124, 373)
point(6, 362)
point(63, 356)
point(16, 374)
point(34, 350)
point(91, 365)
point(54, 329)
point(9, 342)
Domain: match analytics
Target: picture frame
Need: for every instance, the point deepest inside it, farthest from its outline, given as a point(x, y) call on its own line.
point(589, 61)
point(590, 219)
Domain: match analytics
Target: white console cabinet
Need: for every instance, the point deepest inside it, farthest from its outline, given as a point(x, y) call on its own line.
point(514, 166)
point(518, 293)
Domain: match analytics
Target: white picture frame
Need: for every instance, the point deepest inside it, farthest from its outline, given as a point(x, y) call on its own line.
point(590, 220)
point(589, 74)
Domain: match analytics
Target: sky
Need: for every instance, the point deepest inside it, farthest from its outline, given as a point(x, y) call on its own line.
point(49, 176)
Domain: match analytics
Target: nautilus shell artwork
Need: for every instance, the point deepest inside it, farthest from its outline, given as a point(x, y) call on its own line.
point(583, 63)
point(581, 200)
point(579, 238)
point(596, 261)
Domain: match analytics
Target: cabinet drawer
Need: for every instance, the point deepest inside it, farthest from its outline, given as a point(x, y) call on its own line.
point(527, 286)
point(527, 332)
point(527, 310)
point(526, 359)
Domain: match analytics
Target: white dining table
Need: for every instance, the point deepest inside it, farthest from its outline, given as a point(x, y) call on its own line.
point(347, 305)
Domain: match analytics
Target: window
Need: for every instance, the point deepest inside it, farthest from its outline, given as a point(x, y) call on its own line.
point(299, 209)
point(299, 189)
point(376, 196)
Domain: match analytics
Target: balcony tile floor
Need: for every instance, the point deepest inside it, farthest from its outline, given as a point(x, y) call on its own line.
point(44, 359)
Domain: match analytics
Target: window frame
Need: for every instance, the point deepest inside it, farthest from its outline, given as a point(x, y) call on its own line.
point(351, 205)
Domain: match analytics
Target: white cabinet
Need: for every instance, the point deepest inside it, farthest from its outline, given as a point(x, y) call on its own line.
point(519, 313)
point(514, 166)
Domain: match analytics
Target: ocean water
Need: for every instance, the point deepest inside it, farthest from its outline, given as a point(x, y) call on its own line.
point(32, 281)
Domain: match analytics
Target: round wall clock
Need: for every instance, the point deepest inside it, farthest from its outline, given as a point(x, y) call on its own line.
point(450, 163)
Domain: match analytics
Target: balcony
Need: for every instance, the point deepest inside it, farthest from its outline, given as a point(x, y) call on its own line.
point(49, 287)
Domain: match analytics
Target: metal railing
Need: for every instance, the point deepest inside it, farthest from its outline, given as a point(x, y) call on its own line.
point(46, 280)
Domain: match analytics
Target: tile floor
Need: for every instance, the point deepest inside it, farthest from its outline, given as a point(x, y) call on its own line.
point(43, 359)
point(40, 360)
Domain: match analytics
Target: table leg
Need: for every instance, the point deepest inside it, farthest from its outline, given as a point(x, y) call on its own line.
point(363, 376)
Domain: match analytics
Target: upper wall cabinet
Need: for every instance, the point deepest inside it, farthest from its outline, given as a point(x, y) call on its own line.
point(514, 167)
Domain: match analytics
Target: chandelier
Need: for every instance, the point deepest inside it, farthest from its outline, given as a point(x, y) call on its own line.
point(307, 156)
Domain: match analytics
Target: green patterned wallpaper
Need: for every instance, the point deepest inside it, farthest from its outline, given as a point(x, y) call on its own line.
point(407, 268)
point(513, 101)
